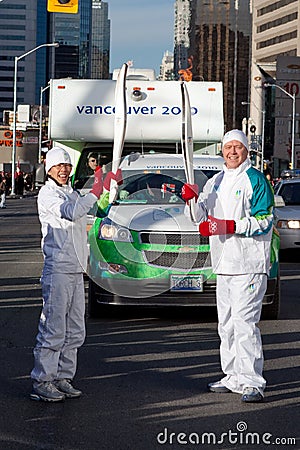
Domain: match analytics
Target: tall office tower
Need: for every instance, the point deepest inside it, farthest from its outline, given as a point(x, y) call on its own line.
point(220, 44)
point(72, 32)
point(23, 27)
point(181, 35)
point(167, 67)
point(276, 59)
point(100, 40)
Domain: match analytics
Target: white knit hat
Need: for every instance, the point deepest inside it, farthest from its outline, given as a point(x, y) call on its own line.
point(235, 135)
point(56, 155)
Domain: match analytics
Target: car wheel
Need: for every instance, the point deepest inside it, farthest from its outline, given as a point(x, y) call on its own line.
point(271, 312)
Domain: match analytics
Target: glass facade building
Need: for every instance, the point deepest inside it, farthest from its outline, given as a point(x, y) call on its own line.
point(72, 32)
point(100, 40)
point(220, 39)
point(23, 27)
point(84, 40)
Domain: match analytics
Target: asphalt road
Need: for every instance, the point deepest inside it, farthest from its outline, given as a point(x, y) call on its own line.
point(143, 373)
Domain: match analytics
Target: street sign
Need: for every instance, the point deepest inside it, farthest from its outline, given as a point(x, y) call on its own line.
point(63, 6)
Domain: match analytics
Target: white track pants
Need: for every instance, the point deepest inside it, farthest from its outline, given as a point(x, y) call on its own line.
point(239, 303)
point(61, 327)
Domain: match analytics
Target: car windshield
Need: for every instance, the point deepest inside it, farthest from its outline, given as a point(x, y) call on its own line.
point(290, 192)
point(150, 186)
point(157, 187)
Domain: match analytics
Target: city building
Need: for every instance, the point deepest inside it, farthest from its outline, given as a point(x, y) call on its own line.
point(84, 41)
point(182, 22)
point(220, 45)
point(276, 60)
point(100, 40)
point(246, 44)
point(83, 52)
point(23, 27)
point(167, 67)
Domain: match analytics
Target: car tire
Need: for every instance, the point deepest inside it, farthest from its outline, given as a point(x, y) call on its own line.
point(272, 311)
point(96, 309)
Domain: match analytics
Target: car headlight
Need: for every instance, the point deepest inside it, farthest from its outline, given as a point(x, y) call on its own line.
point(113, 232)
point(291, 224)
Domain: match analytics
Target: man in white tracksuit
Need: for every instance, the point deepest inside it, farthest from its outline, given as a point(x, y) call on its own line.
point(62, 213)
point(235, 210)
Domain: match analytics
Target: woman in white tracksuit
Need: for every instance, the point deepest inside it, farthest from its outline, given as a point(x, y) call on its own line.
point(62, 213)
point(235, 210)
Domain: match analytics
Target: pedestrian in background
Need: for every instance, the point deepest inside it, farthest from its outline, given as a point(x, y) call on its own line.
point(3, 189)
point(62, 213)
point(235, 211)
point(19, 181)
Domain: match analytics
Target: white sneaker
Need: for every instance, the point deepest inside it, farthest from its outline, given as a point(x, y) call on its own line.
point(218, 387)
point(46, 392)
point(251, 395)
point(67, 389)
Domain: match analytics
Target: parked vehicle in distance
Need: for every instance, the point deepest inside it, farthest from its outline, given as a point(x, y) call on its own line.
point(287, 215)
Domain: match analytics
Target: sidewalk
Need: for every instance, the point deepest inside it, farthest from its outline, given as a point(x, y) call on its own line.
point(25, 194)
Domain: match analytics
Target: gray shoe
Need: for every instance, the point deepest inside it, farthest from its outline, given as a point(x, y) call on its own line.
point(218, 387)
point(46, 392)
point(67, 389)
point(251, 395)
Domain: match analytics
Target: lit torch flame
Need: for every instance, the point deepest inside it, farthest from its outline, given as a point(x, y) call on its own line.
point(186, 74)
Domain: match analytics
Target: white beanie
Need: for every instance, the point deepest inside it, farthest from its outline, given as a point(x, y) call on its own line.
point(56, 155)
point(235, 135)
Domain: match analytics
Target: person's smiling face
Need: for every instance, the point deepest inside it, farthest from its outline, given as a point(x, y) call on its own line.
point(60, 172)
point(93, 163)
point(234, 154)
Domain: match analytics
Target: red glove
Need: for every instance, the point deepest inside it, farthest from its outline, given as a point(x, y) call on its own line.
point(111, 176)
point(189, 191)
point(97, 187)
point(215, 226)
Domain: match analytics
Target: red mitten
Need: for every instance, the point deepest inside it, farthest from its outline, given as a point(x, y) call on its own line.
point(119, 177)
point(214, 226)
point(189, 191)
point(111, 176)
point(97, 187)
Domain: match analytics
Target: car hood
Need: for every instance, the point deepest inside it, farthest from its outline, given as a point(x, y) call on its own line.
point(287, 213)
point(165, 218)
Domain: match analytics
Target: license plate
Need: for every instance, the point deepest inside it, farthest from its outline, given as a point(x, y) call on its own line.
point(186, 283)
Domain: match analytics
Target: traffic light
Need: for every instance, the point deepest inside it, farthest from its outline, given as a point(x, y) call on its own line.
point(63, 6)
point(253, 157)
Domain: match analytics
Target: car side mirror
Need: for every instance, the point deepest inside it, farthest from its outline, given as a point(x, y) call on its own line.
point(278, 201)
point(133, 157)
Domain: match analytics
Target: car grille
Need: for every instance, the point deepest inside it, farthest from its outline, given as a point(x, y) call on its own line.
point(177, 260)
point(173, 238)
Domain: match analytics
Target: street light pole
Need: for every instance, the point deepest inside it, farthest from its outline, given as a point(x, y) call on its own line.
point(43, 89)
point(263, 112)
point(263, 140)
point(293, 97)
point(293, 132)
point(14, 147)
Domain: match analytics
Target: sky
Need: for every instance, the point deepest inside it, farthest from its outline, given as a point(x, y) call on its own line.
point(141, 31)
